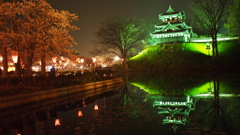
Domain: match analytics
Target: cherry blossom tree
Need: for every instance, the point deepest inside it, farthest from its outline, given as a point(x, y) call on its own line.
point(37, 31)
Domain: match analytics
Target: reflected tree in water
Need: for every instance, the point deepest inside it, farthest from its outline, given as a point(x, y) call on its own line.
point(128, 104)
point(215, 115)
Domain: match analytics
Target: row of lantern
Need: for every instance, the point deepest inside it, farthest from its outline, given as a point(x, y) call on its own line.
point(58, 123)
point(14, 58)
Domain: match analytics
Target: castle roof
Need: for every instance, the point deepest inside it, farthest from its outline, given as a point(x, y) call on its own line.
point(170, 11)
point(178, 27)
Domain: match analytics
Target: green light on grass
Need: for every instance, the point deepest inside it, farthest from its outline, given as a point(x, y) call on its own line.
point(204, 48)
point(205, 88)
point(144, 52)
point(146, 89)
point(200, 47)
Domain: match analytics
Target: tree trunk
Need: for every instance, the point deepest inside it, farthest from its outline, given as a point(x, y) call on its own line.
point(239, 39)
point(214, 45)
point(43, 62)
point(17, 67)
point(125, 64)
point(4, 54)
point(29, 66)
point(5, 61)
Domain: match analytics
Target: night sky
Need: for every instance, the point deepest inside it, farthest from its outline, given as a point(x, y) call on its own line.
point(92, 12)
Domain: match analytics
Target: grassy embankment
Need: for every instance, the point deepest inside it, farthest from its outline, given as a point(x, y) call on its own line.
point(186, 57)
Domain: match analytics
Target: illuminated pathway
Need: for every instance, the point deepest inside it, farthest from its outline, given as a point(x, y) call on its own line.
point(212, 95)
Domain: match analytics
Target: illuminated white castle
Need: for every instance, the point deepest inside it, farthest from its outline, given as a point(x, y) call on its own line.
point(173, 29)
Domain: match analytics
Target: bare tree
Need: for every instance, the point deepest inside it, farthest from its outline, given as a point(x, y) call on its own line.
point(210, 16)
point(118, 36)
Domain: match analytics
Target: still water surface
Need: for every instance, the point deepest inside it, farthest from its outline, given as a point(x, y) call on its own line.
point(145, 105)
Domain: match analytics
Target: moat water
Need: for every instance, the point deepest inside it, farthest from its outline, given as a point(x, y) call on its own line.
point(150, 104)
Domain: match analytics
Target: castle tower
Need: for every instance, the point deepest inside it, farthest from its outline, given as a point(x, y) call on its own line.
point(173, 28)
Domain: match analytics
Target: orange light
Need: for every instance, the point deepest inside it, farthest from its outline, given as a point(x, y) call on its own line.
point(95, 107)
point(57, 122)
point(54, 59)
point(79, 113)
point(94, 60)
point(15, 58)
point(82, 60)
point(18, 134)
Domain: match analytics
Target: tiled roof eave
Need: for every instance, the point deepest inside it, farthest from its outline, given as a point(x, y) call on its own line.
point(173, 13)
point(170, 32)
point(172, 23)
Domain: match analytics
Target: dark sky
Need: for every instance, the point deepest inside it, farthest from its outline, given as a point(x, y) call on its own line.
point(92, 12)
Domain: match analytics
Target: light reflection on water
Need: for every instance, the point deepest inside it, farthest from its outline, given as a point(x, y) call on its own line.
point(135, 110)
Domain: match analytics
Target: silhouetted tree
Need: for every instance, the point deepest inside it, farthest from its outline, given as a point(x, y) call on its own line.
point(233, 24)
point(210, 16)
point(118, 35)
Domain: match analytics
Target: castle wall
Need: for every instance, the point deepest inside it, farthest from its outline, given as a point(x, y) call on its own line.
point(170, 39)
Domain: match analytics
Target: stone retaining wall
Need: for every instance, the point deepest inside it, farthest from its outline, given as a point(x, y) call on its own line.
point(31, 97)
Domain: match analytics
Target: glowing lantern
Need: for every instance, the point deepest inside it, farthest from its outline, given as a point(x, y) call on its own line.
point(54, 59)
point(95, 107)
point(79, 113)
point(15, 58)
point(83, 102)
point(94, 60)
point(78, 60)
point(82, 60)
point(18, 134)
point(57, 122)
point(116, 58)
